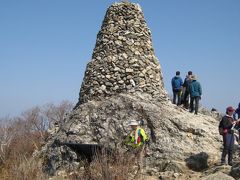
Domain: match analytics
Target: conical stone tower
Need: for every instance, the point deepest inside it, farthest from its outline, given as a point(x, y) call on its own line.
point(123, 81)
point(123, 60)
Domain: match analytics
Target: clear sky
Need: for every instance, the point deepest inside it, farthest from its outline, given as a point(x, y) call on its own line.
point(45, 46)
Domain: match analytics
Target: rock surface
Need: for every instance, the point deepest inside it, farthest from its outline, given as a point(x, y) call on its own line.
point(235, 171)
point(123, 81)
point(123, 59)
point(218, 176)
point(175, 133)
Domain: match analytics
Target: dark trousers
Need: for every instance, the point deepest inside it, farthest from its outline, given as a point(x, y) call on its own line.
point(177, 96)
point(186, 99)
point(194, 106)
point(228, 142)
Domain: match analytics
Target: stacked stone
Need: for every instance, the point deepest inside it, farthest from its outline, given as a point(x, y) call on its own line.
point(123, 60)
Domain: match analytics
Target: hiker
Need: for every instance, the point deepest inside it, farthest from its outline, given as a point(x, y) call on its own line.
point(195, 91)
point(186, 93)
point(177, 88)
point(226, 126)
point(236, 114)
point(136, 141)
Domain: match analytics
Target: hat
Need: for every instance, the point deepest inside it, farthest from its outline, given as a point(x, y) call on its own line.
point(230, 109)
point(133, 123)
point(193, 77)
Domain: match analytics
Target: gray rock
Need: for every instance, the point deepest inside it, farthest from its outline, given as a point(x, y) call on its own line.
point(105, 122)
point(235, 171)
point(103, 87)
point(218, 176)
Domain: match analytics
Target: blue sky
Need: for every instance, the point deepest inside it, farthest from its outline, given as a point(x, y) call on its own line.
point(45, 46)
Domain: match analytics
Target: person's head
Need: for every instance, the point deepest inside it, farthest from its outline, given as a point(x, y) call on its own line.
point(193, 77)
point(239, 105)
point(189, 73)
point(230, 110)
point(178, 73)
point(134, 124)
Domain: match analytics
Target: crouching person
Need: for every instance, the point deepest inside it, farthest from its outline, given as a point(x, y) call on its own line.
point(226, 130)
point(136, 142)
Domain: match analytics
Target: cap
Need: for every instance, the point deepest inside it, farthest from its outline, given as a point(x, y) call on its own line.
point(193, 77)
point(133, 123)
point(230, 109)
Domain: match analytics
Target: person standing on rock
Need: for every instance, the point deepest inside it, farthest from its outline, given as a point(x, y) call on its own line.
point(226, 126)
point(136, 141)
point(236, 116)
point(177, 88)
point(195, 91)
point(187, 81)
point(237, 112)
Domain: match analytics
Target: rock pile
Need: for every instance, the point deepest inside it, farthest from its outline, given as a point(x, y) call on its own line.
point(123, 81)
point(123, 60)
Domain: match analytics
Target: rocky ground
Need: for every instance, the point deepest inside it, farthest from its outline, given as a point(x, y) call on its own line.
point(183, 145)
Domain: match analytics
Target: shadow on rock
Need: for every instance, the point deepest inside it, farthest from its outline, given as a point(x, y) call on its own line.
point(197, 162)
point(235, 171)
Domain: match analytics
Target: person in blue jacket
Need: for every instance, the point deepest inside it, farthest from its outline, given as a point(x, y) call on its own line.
point(177, 83)
point(195, 90)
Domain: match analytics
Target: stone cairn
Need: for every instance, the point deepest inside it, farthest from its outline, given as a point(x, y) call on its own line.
point(123, 60)
point(123, 81)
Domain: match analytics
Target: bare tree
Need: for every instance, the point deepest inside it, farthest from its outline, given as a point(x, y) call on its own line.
point(21, 136)
point(6, 136)
point(35, 121)
point(56, 114)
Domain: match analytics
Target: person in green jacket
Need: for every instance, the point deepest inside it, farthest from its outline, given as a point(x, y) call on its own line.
point(136, 141)
point(137, 137)
point(195, 90)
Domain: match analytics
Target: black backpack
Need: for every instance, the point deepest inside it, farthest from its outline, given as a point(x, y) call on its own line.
point(220, 128)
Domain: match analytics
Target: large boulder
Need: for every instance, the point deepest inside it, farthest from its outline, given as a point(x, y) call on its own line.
point(123, 81)
point(175, 134)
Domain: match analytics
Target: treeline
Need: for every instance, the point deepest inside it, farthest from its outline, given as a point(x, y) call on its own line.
point(21, 136)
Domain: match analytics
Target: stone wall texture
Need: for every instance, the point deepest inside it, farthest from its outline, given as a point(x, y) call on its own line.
point(123, 59)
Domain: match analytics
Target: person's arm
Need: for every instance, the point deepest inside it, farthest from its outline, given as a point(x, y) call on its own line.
point(237, 121)
point(225, 125)
point(144, 135)
point(184, 83)
point(200, 89)
point(127, 140)
point(172, 83)
point(190, 88)
point(181, 82)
